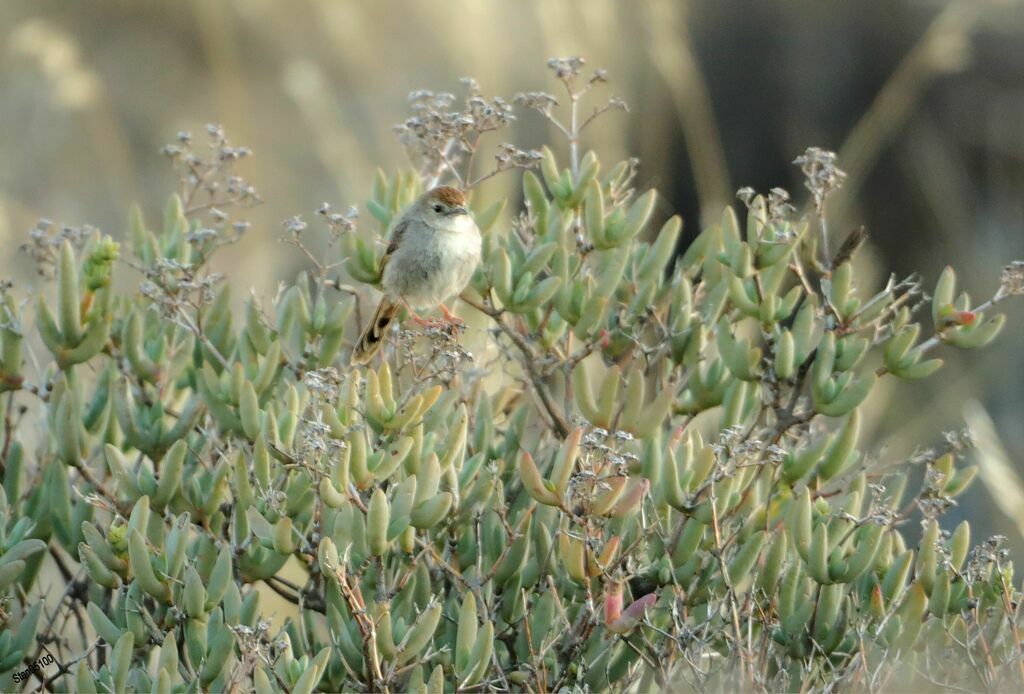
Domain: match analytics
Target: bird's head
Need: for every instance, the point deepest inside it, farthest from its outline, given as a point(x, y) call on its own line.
point(445, 205)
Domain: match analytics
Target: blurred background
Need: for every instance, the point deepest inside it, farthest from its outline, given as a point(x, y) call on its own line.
point(923, 100)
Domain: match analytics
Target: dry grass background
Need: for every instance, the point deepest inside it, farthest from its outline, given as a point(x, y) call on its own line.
point(923, 100)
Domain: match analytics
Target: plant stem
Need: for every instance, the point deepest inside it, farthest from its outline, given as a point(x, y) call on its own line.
point(529, 362)
point(574, 135)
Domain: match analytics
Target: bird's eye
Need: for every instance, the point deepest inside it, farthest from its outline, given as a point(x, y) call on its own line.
point(438, 208)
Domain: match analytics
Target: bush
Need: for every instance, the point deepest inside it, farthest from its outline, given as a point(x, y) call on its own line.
point(653, 480)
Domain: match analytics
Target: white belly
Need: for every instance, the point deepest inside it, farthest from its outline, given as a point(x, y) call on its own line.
point(429, 267)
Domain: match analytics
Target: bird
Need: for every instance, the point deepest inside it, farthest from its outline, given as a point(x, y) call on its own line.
point(434, 249)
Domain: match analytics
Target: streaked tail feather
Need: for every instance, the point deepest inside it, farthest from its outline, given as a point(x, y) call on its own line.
point(375, 332)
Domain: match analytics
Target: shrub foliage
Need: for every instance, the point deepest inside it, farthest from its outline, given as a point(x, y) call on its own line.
point(650, 475)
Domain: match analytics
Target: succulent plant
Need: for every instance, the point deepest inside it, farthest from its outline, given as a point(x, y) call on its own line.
point(654, 478)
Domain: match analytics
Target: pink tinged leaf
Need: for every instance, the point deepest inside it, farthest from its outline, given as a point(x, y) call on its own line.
point(612, 603)
point(631, 499)
point(633, 615)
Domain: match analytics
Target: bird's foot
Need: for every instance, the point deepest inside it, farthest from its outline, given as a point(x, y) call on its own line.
point(427, 323)
point(452, 322)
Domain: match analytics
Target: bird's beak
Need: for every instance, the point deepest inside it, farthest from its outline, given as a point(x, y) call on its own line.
point(461, 209)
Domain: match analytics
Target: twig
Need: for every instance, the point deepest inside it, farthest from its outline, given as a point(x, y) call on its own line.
point(529, 361)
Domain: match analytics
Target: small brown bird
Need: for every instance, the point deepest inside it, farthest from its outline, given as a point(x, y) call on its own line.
point(434, 249)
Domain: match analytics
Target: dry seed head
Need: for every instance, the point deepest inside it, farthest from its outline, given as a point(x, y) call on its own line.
point(567, 69)
point(821, 173)
point(1012, 279)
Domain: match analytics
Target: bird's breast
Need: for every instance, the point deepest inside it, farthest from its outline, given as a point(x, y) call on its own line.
point(429, 268)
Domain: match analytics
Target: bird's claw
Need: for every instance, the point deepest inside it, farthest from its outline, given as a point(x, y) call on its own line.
point(428, 323)
point(454, 323)
point(450, 324)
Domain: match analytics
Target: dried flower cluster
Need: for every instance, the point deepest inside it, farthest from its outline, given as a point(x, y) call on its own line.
point(441, 140)
point(822, 175)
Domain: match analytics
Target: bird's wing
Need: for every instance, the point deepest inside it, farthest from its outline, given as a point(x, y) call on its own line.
point(396, 240)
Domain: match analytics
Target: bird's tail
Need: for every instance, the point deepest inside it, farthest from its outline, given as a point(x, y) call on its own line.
point(374, 333)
